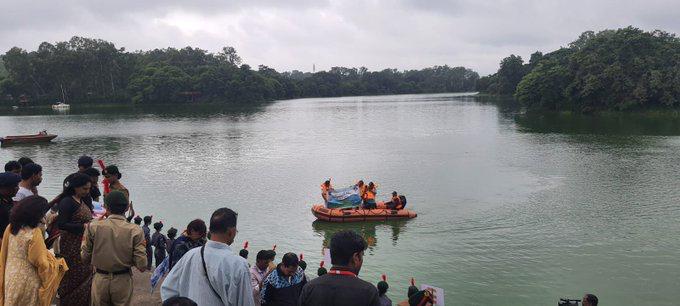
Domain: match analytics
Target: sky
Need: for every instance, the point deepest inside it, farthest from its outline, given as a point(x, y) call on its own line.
point(297, 34)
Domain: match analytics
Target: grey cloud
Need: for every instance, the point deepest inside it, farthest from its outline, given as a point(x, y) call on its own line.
point(295, 34)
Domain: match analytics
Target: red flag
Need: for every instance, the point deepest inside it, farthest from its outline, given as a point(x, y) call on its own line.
point(384, 278)
point(245, 245)
point(321, 264)
point(101, 164)
point(107, 186)
point(302, 257)
point(274, 248)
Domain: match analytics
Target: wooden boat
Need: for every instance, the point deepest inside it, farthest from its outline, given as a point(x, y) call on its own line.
point(381, 213)
point(40, 137)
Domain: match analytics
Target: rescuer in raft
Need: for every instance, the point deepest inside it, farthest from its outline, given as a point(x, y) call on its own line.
point(369, 196)
point(325, 189)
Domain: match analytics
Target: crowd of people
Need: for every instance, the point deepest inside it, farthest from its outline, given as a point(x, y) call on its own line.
point(63, 248)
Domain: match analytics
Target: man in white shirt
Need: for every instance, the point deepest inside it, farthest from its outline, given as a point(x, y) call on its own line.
point(31, 177)
point(263, 264)
point(212, 274)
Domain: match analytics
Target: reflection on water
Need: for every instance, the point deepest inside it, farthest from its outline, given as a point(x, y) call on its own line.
point(366, 229)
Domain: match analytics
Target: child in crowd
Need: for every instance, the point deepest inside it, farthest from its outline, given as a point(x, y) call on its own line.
point(172, 233)
point(159, 242)
point(383, 300)
point(147, 237)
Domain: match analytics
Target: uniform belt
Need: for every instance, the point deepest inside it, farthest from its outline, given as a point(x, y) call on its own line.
point(113, 273)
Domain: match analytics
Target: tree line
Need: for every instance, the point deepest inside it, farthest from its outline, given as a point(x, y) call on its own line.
point(623, 69)
point(90, 71)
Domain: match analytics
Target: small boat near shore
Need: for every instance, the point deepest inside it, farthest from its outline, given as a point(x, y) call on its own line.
point(20, 139)
point(381, 213)
point(60, 106)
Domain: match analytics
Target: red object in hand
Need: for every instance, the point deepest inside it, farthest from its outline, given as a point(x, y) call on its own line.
point(413, 281)
point(274, 248)
point(321, 264)
point(245, 245)
point(384, 278)
point(302, 257)
point(107, 186)
point(101, 164)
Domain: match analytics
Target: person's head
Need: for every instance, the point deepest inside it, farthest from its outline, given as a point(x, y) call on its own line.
point(263, 258)
point(179, 301)
point(382, 287)
point(303, 265)
point(9, 184)
point(243, 253)
point(289, 264)
point(589, 300)
point(77, 185)
point(321, 271)
point(196, 229)
point(412, 290)
point(158, 226)
point(394, 194)
point(327, 183)
point(172, 233)
point(112, 173)
point(371, 185)
point(116, 202)
point(13, 166)
point(360, 183)
point(93, 174)
point(421, 297)
point(24, 161)
point(32, 173)
point(347, 250)
point(138, 220)
point(84, 162)
point(147, 220)
point(223, 225)
point(28, 212)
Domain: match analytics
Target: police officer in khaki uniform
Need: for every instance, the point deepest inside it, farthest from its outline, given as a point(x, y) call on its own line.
point(113, 246)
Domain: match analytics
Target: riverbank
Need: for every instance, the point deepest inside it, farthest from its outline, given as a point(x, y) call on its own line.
point(142, 290)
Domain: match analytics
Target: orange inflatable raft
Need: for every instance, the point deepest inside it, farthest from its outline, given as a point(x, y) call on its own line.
point(358, 215)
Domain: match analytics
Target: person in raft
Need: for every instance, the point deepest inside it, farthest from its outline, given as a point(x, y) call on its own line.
point(395, 202)
point(326, 188)
point(369, 196)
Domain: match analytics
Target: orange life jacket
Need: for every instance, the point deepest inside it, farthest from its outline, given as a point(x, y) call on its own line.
point(370, 194)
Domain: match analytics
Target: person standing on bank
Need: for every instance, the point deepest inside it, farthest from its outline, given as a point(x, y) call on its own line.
point(282, 286)
point(29, 273)
point(113, 246)
point(9, 185)
point(147, 237)
point(93, 173)
point(342, 286)
point(74, 215)
point(113, 175)
point(212, 274)
point(31, 177)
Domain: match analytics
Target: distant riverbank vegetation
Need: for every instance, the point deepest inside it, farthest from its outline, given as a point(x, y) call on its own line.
point(623, 69)
point(94, 71)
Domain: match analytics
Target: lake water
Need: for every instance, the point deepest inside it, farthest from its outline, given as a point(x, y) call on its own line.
point(514, 209)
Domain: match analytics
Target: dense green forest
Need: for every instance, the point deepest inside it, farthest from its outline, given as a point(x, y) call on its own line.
point(89, 71)
point(623, 69)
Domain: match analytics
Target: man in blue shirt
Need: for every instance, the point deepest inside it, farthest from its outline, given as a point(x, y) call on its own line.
point(212, 274)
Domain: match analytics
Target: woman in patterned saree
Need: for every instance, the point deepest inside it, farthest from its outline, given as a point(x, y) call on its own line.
point(29, 273)
point(74, 215)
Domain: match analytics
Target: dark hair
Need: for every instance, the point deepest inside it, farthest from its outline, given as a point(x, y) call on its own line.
point(222, 220)
point(85, 161)
point(197, 225)
point(371, 185)
point(382, 288)
point(394, 193)
point(328, 182)
point(116, 202)
point(91, 172)
point(12, 165)
point(28, 212)
point(147, 219)
point(74, 181)
point(265, 255)
point(138, 220)
point(25, 161)
point(172, 233)
point(158, 226)
point(179, 301)
point(344, 245)
point(30, 170)
point(591, 298)
point(303, 265)
point(321, 271)
point(243, 253)
point(411, 291)
point(112, 170)
point(290, 260)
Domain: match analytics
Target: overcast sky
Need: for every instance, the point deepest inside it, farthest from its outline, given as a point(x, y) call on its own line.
point(295, 34)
